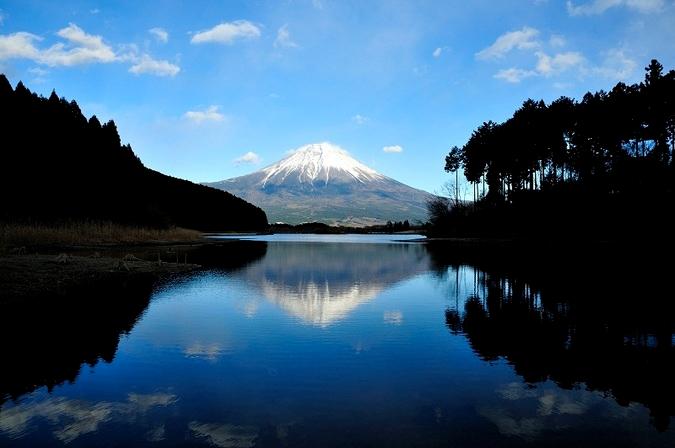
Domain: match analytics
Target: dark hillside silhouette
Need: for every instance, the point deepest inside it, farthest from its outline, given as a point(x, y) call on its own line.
point(602, 166)
point(57, 166)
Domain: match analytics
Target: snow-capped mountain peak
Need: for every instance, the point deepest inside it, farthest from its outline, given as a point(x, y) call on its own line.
point(322, 182)
point(319, 162)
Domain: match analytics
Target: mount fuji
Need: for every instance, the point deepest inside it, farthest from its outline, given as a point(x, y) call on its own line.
point(322, 182)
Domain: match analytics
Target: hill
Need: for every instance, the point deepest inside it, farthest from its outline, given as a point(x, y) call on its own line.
point(60, 167)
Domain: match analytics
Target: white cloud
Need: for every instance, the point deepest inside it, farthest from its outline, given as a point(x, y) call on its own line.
point(249, 157)
point(616, 66)
point(360, 119)
point(81, 48)
point(86, 48)
point(227, 32)
point(514, 75)
point(557, 41)
point(77, 48)
point(160, 34)
point(546, 66)
point(147, 65)
point(393, 149)
point(595, 7)
point(94, 11)
point(524, 39)
point(19, 46)
point(550, 65)
point(437, 52)
point(284, 38)
point(201, 116)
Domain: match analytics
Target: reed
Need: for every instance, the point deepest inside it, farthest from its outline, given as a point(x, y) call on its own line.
point(80, 233)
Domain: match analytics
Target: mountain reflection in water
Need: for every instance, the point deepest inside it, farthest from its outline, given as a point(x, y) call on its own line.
point(322, 283)
point(331, 344)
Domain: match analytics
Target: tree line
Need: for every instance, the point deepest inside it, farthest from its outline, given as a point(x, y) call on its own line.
point(59, 166)
point(614, 148)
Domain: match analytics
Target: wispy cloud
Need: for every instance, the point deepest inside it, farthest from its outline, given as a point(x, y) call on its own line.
point(248, 158)
point(160, 34)
point(360, 119)
point(37, 71)
point(227, 33)
point(437, 52)
point(523, 39)
point(546, 66)
point(617, 66)
point(550, 61)
point(210, 114)
point(79, 417)
point(549, 65)
point(393, 149)
point(224, 435)
point(596, 7)
point(283, 39)
point(514, 75)
point(557, 41)
point(148, 65)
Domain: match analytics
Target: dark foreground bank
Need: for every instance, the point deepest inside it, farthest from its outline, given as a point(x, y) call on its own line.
point(45, 272)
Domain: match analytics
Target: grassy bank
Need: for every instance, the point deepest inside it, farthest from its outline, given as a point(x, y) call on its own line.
point(26, 235)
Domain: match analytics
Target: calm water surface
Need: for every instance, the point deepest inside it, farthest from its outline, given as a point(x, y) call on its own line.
point(343, 341)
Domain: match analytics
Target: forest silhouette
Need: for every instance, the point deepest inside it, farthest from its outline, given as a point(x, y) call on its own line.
point(602, 166)
point(59, 167)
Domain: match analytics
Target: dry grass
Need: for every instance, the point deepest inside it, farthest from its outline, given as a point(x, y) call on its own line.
point(17, 235)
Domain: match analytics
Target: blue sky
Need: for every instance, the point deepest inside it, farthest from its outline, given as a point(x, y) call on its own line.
point(207, 90)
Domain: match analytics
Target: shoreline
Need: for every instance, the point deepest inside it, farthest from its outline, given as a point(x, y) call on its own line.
point(47, 271)
point(52, 270)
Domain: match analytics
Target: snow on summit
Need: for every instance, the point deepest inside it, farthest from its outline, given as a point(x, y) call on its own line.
point(319, 162)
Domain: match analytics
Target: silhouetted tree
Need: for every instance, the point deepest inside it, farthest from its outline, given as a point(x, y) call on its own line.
point(605, 153)
point(453, 162)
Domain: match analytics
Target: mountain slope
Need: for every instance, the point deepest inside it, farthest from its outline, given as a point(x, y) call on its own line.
point(58, 167)
point(321, 182)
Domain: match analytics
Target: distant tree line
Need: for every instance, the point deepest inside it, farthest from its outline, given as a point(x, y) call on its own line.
point(397, 226)
point(58, 166)
point(570, 165)
point(322, 228)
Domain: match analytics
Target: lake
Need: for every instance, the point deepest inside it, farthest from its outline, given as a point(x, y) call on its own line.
point(349, 341)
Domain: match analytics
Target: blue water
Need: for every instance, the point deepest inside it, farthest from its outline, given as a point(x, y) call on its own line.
point(324, 342)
